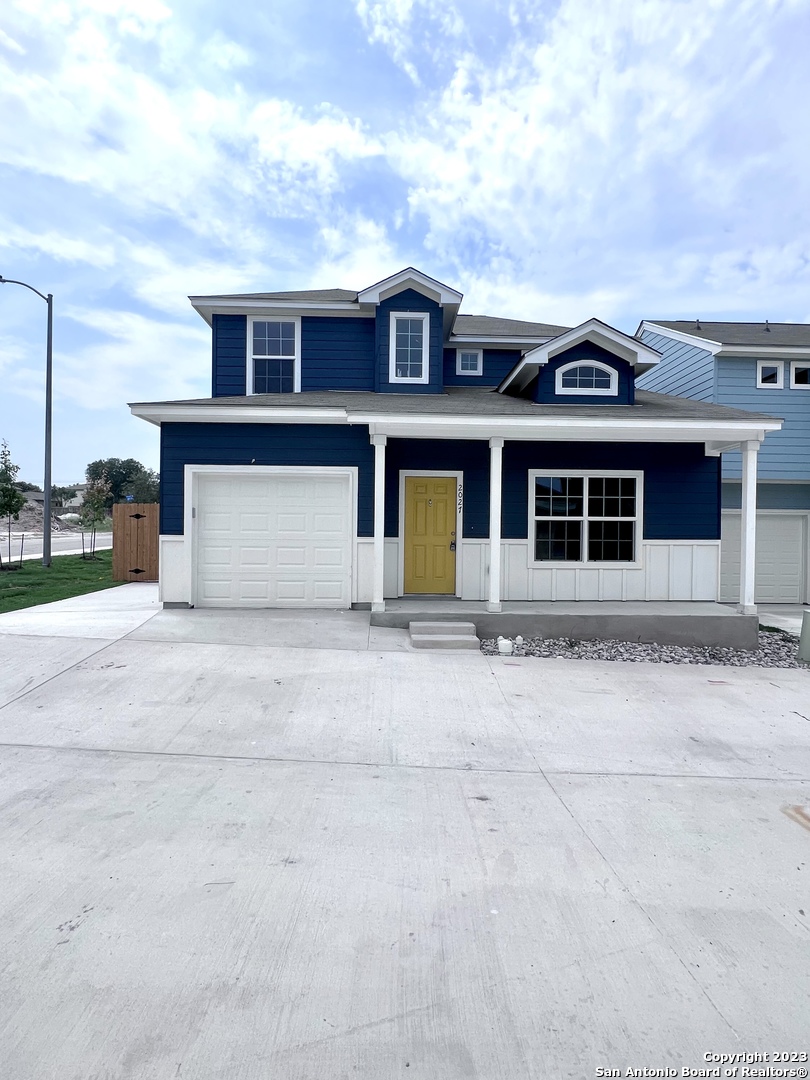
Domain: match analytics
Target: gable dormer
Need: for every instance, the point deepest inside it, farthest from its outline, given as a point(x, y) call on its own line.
point(413, 315)
point(592, 364)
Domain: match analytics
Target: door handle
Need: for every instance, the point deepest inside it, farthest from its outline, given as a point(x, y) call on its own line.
point(452, 545)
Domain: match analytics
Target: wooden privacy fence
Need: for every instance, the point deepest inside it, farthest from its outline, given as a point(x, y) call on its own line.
point(135, 541)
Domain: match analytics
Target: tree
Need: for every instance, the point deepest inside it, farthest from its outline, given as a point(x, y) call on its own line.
point(144, 487)
point(121, 474)
point(94, 510)
point(23, 485)
point(60, 495)
point(11, 500)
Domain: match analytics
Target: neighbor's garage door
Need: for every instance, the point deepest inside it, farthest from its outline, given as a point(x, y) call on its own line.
point(280, 540)
point(781, 557)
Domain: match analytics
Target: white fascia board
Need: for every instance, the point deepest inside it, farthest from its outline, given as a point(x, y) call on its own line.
point(678, 335)
point(235, 414)
point(635, 352)
point(208, 306)
point(565, 428)
point(798, 352)
point(374, 293)
point(484, 339)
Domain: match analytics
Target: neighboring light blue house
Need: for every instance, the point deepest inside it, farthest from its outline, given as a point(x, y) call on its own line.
point(365, 446)
point(764, 367)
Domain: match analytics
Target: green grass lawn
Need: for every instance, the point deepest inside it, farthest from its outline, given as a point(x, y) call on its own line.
point(68, 575)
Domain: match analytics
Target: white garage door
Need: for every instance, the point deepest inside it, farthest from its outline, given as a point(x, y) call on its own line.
point(273, 540)
point(781, 558)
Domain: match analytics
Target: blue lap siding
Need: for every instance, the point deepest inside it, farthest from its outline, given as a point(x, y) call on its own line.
point(684, 369)
point(337, 354)
point(544, 388)
point(409, 300)
point(785, 454)
point(469, 457)
point(681, 484)
point(497, 364)
point(769, 496)
point(269, 444)
point(229, 339)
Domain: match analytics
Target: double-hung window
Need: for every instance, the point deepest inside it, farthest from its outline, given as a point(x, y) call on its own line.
point(274, 356)
point(576, 517)
point(409, 350)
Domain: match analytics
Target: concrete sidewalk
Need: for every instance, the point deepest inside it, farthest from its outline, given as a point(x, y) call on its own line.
point(229, 857)
point(786, 617)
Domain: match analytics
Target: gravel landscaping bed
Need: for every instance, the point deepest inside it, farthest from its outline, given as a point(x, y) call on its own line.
point(776, 650)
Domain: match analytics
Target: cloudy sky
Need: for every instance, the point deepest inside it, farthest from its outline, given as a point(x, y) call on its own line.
point(552, 160)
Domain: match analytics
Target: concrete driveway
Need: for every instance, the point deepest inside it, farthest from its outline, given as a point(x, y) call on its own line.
point(267, 847)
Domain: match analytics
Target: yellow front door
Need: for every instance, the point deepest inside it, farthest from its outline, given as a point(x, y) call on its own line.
point(430, 534)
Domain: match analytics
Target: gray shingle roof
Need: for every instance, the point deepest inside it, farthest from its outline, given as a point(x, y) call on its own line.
point(484, 325)
point(327, 295)
point(462, 401)
point(490, 326)
point(743, 333)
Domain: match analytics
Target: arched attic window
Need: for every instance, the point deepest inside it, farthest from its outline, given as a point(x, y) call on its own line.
point(587, 377)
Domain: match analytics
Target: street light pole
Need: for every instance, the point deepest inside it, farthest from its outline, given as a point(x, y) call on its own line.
point(46, 510)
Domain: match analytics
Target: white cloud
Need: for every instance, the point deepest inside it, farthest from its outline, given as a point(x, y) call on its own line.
point(155, 137)
point(356, 252)
point(605, 143)
point(395, 23)
point(58, 245)
point(9, 43)
point(139, 358)
point(307, 151)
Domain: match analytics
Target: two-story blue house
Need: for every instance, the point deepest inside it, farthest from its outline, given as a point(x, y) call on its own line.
point(764, 367)
point(364, 446)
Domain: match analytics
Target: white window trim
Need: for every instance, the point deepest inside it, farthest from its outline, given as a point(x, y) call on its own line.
point(793, 365)
point(582, 564)
point(585, 391)
point(392, 347)
point(479, 369)
point(780, 374)
point(251, 319)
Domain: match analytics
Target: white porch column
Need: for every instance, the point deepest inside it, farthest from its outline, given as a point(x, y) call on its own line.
point(748, 527)
point(377, 600)
point(495, 488)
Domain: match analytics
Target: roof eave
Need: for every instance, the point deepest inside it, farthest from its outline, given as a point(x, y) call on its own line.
point(524, 426)
point(208, 306)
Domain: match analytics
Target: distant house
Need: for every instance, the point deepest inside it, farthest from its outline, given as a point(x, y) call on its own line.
point(764, 367)
point(79, 497)
point(364, 446)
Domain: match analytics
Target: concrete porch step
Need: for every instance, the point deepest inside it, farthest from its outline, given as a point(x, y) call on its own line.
point(443, 635)
point(446, 627)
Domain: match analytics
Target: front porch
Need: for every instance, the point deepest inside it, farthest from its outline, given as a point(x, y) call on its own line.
point(666, 623)
point(670, 564)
